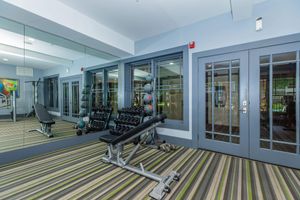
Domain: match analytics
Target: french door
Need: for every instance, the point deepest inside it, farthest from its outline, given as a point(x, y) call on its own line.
point(70, 99)
point(249, 104)
point(274, 96)
point(223, 101)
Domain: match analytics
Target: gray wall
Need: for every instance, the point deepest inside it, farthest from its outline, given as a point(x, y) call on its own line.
point(280, 18)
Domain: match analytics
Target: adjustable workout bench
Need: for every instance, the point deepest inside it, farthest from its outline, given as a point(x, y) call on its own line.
point(115, 145)
point(45, 119)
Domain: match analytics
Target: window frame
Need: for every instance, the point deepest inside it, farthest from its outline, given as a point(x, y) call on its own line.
point(154, 58)
point(46, 92)
point(104, 71)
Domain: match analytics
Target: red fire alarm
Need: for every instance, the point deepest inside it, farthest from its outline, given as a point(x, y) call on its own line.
point(192, 45)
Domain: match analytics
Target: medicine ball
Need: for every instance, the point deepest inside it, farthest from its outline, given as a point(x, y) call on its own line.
point(148, 88)
point(82, 113)
point(81, 124)
point(148, 109)
point(149, 78)
point(147, 98)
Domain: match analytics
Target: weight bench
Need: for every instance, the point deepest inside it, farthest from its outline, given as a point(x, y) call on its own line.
point(45, 119)
point(115, 147)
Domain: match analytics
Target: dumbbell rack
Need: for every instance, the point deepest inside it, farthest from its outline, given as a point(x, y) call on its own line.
point(127, 119)
point(99, 119)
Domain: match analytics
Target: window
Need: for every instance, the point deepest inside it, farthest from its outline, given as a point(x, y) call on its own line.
point(139, 73)
point(169, 95)
point(168, 84)
point(51, 93)
point(97, 95)
point(112, 89)
point(105, 88)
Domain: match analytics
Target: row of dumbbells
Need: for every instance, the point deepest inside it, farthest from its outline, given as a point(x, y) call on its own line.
point(99, 116)
point(101, 108)
point(120, 130)
point(96, 125)
point(128, 120)
point(135, 110)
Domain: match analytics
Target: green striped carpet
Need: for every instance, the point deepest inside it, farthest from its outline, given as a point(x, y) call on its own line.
point(78, 173)
point(15, 135)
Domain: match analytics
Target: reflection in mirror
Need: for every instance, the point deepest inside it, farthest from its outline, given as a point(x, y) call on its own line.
point(37, 61)
point(12, 84)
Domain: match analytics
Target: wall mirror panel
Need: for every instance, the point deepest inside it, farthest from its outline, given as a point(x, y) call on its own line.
point(41, 68)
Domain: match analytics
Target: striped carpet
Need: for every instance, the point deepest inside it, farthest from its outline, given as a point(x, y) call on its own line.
point(78, 173)
point(15, 135)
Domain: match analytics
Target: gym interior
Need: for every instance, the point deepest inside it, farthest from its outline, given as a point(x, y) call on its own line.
point(154, 99)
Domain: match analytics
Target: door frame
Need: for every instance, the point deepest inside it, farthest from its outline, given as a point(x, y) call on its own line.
point(70, 79)
point(257, 153)
point(241, 149)
point(196, 56)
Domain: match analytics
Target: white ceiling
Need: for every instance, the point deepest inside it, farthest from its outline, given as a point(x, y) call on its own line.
point(138, 19)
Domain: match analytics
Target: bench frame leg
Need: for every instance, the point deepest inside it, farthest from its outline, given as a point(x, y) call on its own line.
point(114, 156)
point(45, 130)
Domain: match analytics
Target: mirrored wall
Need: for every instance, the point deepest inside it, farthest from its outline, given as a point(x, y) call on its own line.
point(41, 68)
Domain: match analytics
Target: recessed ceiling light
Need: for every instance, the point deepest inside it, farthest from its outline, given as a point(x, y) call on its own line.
point(259, 24)
point(171, 63)
point(31, 39)
point(5, 59)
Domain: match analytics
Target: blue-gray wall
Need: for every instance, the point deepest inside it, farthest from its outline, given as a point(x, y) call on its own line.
point(280, 18)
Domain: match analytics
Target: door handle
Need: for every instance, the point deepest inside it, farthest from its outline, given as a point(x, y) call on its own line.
point(244, 108)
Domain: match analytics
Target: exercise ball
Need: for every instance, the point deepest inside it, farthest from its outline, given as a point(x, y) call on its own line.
point(82, 113)
point(81, 124)
point(147, 98)
point(149, 78)
point(148, 88)
point(148, 109)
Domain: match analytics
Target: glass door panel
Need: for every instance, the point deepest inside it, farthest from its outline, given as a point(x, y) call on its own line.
point(225, 97)
point(75, 99)
point(275, 74)
point(71, 98)
point(222, 101)
point(282, 99)
point(66, 99)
